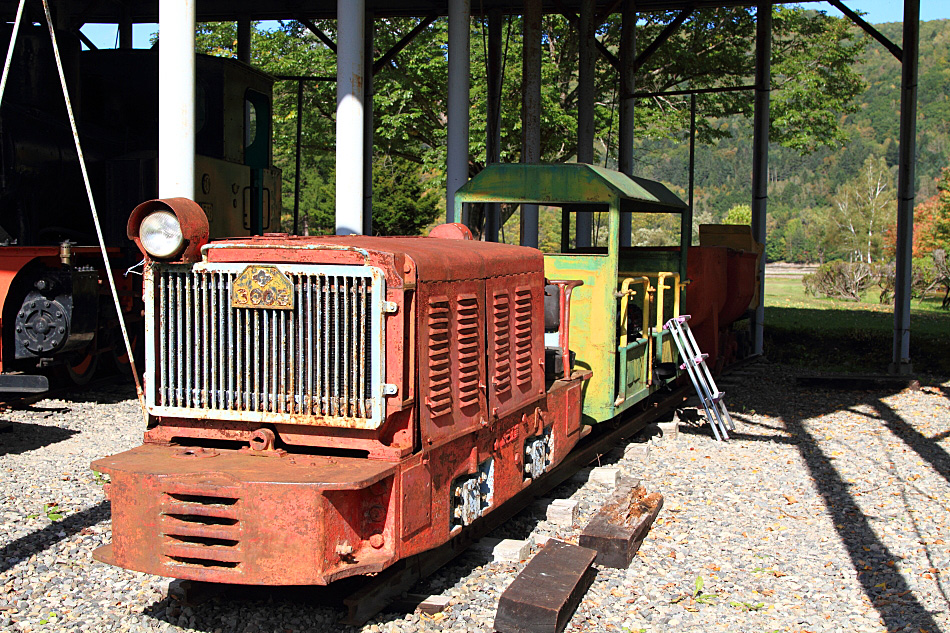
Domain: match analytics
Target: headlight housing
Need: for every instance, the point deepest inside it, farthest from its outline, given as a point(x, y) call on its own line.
point(173, 229)
point(161, 235)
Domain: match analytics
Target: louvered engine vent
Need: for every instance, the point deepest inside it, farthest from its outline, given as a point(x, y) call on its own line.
point(201, 530)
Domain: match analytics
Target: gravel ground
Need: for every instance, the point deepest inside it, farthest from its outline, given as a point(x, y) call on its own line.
point(827, 511)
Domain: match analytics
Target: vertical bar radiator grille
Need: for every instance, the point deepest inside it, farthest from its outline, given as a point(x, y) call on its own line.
point(439, 398)
point(321, 358)
point(467, 335)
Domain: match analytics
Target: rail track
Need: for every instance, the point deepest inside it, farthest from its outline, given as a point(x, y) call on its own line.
point(366, 597)
point(372, 596)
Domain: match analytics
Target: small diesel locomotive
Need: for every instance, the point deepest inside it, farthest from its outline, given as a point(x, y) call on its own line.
point(322, 407)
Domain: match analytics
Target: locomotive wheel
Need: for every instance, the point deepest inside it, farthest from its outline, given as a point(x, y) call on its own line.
point(120, 357)
point(81, 372)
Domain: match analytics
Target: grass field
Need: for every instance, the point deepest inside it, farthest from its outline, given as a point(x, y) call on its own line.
point(847, 336)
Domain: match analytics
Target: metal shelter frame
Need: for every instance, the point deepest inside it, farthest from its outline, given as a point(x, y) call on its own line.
point(177, 19)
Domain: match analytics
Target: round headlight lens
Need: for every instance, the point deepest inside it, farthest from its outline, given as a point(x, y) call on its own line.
point(160, 233)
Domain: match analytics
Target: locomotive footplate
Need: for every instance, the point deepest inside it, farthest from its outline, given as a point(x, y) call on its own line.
point(240, 517)
point(23, 383)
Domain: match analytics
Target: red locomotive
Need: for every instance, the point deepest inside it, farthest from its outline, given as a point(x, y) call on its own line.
point(321, 407)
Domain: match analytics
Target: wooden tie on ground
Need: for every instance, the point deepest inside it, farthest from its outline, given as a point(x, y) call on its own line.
point(543, 597)
point(619, 528)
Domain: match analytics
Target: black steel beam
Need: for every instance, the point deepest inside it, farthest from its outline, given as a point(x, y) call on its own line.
point(603, 50)
point(323, 37)
point(694, 91)
point(870, 30)
point(146, 11)
point(401, 44)
point(305, 77)
point(85, 40)
point(667, 33)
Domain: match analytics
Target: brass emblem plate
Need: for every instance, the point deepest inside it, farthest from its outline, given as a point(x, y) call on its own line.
point(262, 287)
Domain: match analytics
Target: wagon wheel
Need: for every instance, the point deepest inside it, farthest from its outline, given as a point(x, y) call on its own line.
point(81, 371)
point(119, 356)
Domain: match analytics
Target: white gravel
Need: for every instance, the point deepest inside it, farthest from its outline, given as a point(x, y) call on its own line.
point(828, 511)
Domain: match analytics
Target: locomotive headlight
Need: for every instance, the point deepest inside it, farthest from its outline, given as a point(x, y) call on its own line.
point(161, 234)
point(173, 229)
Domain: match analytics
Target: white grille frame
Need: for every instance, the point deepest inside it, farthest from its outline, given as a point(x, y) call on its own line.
point(157, 319)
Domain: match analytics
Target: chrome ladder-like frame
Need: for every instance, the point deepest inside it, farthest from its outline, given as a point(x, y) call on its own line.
point(694, 362)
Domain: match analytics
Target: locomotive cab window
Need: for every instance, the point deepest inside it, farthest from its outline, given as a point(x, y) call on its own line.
point(256, 129)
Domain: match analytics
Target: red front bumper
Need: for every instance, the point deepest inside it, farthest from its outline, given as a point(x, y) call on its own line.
point(237, 517)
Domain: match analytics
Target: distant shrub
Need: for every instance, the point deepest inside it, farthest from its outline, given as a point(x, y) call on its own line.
point(923, 278)
point(840, 280)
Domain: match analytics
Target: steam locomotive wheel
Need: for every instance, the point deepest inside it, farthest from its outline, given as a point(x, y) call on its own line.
point(81, 372)
point(120, 356)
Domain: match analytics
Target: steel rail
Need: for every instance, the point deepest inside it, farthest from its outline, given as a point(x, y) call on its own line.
point(364, 598)
point(382, 589)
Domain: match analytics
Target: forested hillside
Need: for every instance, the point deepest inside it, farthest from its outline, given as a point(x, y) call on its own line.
point(810, 195)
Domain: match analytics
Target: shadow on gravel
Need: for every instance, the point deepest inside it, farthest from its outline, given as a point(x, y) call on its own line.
point(43, 539)
point(122, 389)
point(880, 578)
point(22, 437)
point(926, 447)
point(739, 436)
point(213, 607)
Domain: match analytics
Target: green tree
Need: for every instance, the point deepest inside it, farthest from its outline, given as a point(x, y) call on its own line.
point(798, 243)
point(402, 205)
point(932, 221)
point(712, 48)
point(738, 214)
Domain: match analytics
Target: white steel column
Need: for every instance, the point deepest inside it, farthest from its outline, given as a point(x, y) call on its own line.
point(900, 363)
point(351, 16)
point(460, 12)
point(176, 85)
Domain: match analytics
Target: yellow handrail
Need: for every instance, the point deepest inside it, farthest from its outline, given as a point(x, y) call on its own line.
point(626, 293)
point(660, 287)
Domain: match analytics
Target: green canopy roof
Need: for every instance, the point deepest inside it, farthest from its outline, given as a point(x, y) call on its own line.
point(568, 183)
